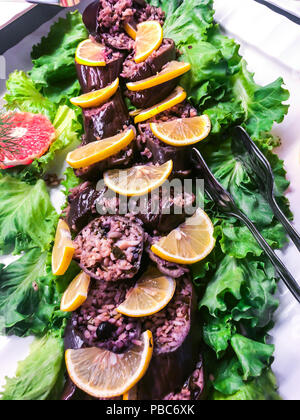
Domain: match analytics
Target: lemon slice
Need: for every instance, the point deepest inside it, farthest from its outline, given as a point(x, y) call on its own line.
point(129, 29)
point(171, 71)
point(97, 97)
point(179, 95)
point(189, 243)
point(149, 38)
point(99, 150)
point(63, 249)
point(138, 180)
point(90, 53)
point(103, 374)
point(76, 293)
point(183, 131)
point(151, 294)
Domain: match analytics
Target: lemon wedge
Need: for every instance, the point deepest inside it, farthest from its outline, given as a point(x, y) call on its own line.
point(189, 243)
point(151, 294)
point(63, 249)
point(76, 293)
point(148, 38)
point(103, 374)
point(90, 53)
point(183, 131)
point(97, 97)
point(179, 95)
point(99, 150)
point(138, 180)
point(171, 71)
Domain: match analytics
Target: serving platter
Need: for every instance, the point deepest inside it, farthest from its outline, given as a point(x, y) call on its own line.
point(267, 67)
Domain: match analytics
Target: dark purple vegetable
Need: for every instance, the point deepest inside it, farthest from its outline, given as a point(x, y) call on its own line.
point(149, 97)
point(133, 72)
point(82, 206)
point(168, 268)
point(94, 78)
point(97, 322)
point(159, 213)
point(110, 248)
point(154, 150)
point(193, 389)
point(106, 120)
point(164, 212)
point(176, 349)
point(89, 17)
point(105, 20)
point(121, 160)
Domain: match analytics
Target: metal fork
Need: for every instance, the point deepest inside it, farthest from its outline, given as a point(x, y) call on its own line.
point(226, 204)
point(257, 163)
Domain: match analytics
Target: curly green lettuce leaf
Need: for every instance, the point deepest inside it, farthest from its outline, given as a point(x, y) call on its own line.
point(263, 105)
point(253, 356)
point(217, 333)
point(54, 69)
point(30, 295)
point(244, 289)
point(228, 279)
point(27, 217)
point(40, 375)
point(70, 181)
point(189, 21)
point(23, 95)
point(237, 241)
point(168, 6)
point(263, 388)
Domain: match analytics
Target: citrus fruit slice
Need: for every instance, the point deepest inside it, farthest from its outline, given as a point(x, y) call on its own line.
point(103, 374)
point(63, 249)
point(129, 29)
point(76, 293)
point(149, 37)
point(100, 150)
point(90, 53)
point(151, 294)
point(171, 71)
point(23, 138)
point(138, 180)
point(97, 97)
point(183, 131)
point(179, 95)
point(189, 243)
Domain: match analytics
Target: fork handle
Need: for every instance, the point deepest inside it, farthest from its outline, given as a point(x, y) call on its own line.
point(294, 235)
point(283, 272)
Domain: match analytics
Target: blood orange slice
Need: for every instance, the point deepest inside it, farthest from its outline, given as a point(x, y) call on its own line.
point(23, 138)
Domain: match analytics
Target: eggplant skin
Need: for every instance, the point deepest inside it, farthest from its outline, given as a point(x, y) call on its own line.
point(168, 371)
point(82, 206)
point(150, 97)
point(194, 387)
point(171, 212)
point(95, 78)
point(106, 120)
point(122, 160)
point(89, 17)
point(155, 151)
point(133, 72)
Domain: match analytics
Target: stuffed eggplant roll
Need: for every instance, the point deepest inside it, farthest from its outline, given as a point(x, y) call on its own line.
point(110, 248)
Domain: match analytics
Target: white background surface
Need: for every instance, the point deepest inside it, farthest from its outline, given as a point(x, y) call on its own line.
point(272, 50)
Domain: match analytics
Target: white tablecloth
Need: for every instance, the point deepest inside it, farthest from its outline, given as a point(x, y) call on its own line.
point(10, 10)
point(270, 44)
point(291, 6)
